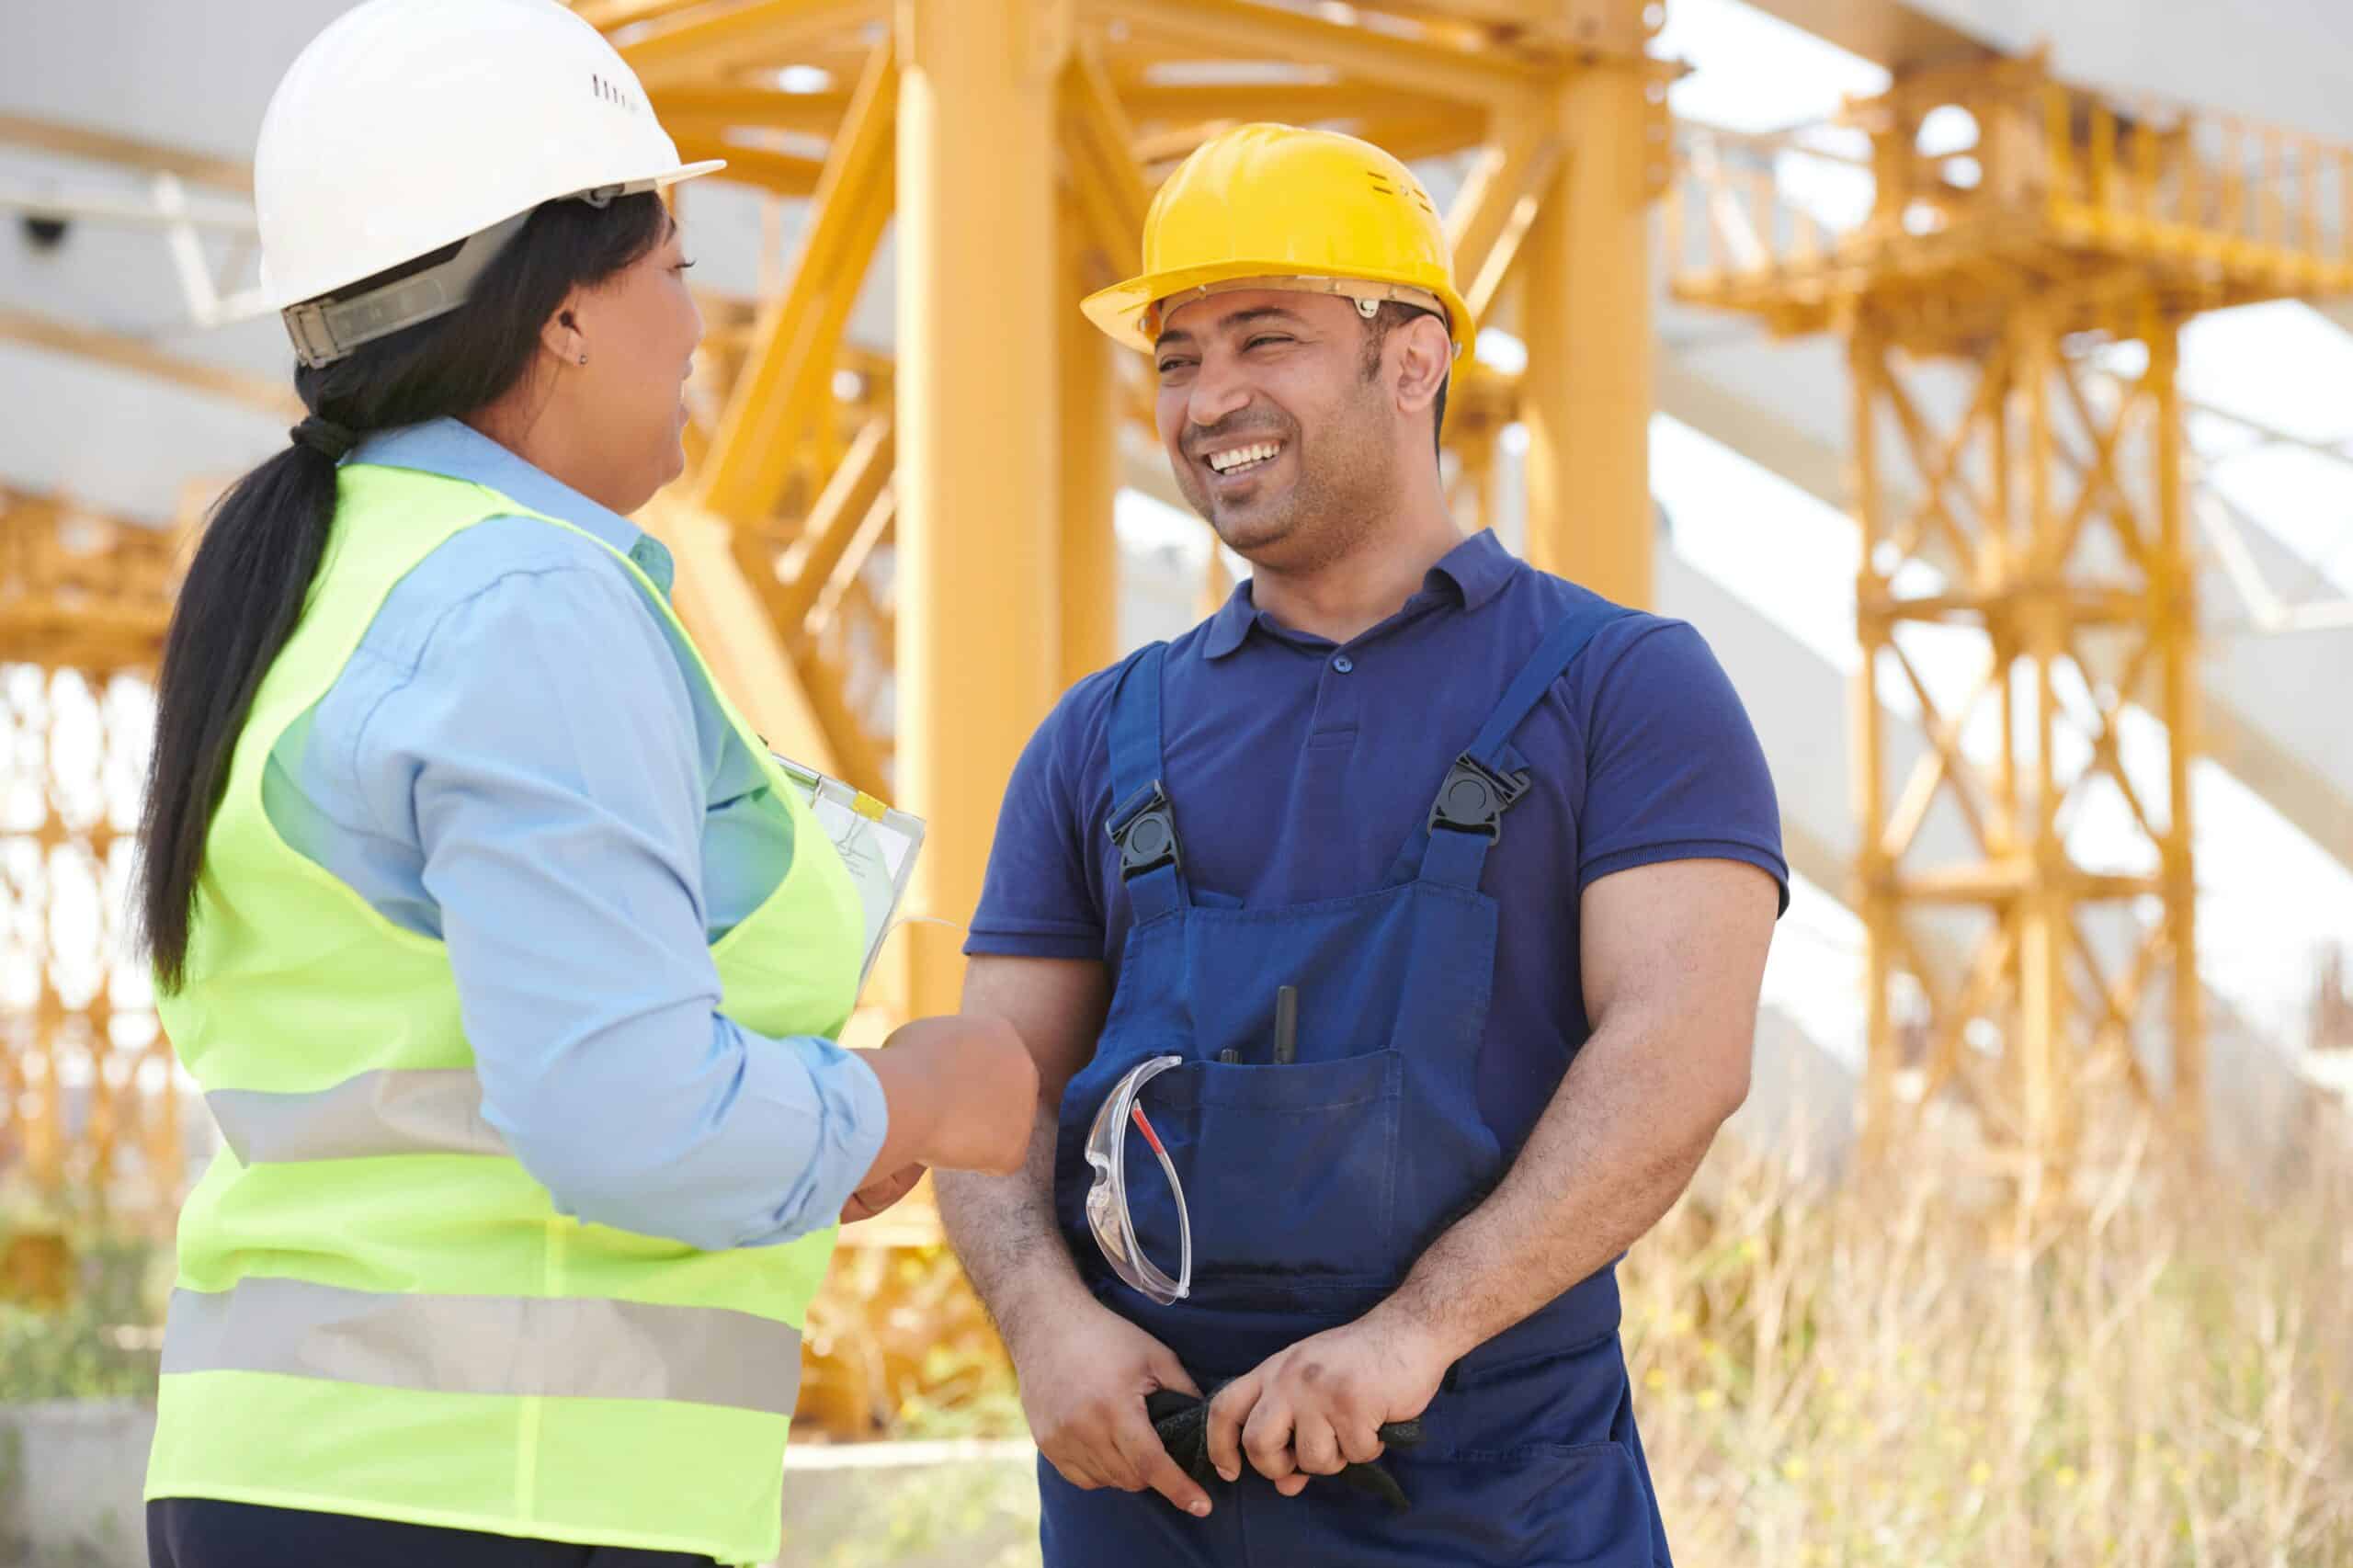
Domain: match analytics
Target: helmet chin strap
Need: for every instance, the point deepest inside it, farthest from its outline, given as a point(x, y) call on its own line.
point(324, 330)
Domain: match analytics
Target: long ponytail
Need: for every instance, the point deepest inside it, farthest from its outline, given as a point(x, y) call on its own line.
point(263, 541)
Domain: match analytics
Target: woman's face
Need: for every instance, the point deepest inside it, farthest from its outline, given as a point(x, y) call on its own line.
point(627, 404)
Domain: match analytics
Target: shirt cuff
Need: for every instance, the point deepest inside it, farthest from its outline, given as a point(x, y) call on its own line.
point(1765, 859)
point(1034, 943)
point(854, 1118)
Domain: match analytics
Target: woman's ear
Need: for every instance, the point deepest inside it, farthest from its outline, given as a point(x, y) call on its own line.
point(562, 336)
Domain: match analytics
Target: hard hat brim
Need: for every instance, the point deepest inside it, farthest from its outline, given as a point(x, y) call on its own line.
point(1118, 311)
point(278, 298)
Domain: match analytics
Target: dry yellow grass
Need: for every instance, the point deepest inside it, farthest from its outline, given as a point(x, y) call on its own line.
point(1864, 1372)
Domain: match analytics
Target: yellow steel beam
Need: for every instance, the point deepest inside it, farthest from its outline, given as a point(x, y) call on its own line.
point(1238, 28)
point(788, 372)
point(1088, 392)
point(134, 355)
point(705, 42)
point(1106, 181)
point(1412, 138)
point(107, 147)
point(1587, 394)
point(1508, 19)
point(978, 432)
point(2174, 632)
point(1425, 136)
point(716, 110)
point(611, 15)
point(1899, 36)
point(1874, 893)
point(1498, 204)
point(1303, 103)
point(848, 498)
point(784, 174)
point(729, 621)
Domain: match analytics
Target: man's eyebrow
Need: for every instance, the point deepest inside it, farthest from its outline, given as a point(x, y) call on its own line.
point(1239, 319)
point(1259, 313)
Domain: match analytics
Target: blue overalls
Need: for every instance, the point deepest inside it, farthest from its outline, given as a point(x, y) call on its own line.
point(1313, 1186)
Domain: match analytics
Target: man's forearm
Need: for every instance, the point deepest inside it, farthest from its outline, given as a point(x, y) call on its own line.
point(1004, 1232)
point(1608, 1157)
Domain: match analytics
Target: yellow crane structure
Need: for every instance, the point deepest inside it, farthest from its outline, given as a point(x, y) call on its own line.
point(897, 560)
point(83, 604)
point(904, 560)
point(2034, 248)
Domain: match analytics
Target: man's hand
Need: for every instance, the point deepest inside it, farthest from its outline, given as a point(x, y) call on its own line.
point(1318, 1407)
point(876, 1196)
point(1084, 1379)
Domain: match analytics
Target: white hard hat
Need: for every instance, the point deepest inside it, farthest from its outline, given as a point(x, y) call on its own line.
point(410, 125)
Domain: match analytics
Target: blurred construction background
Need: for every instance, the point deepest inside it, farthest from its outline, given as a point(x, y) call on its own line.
point(1976, 375)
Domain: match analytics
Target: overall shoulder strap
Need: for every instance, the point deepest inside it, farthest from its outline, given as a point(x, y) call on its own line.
point(1142, 825)
point(1466, 820)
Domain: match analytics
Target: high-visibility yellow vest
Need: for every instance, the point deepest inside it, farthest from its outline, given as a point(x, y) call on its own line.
point(379, 1311)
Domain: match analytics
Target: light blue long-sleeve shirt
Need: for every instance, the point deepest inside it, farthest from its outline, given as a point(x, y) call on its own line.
point(521, 761)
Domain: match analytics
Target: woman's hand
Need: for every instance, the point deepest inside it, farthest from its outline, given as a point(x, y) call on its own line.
point(877, 1196)
point(962, 1092)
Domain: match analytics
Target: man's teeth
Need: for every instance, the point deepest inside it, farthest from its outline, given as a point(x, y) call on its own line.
point(1244, 457)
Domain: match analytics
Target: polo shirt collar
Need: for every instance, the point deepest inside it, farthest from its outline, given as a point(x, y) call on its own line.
point(1476, 569)
point(1232, 623)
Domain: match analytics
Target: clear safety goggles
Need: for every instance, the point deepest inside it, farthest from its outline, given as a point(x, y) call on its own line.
point(1107, 1199)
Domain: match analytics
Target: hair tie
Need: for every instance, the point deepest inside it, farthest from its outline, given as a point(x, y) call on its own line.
point(325, 436)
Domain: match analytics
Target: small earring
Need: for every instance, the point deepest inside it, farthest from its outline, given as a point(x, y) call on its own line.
point(583, 359)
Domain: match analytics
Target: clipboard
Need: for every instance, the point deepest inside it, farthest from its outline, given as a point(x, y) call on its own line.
point(879, 844)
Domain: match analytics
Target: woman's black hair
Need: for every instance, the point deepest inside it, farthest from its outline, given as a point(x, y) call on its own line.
point(251, 575)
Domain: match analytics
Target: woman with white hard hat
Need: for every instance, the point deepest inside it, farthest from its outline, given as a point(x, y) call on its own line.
point(507, 960)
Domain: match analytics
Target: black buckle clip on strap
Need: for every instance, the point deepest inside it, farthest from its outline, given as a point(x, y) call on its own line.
point(1146, 831)
point(1474, 798)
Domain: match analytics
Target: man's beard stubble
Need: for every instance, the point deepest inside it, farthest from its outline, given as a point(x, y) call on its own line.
point(1331, 510)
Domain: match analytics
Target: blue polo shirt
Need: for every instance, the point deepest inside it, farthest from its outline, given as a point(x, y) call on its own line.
point(1297, 767)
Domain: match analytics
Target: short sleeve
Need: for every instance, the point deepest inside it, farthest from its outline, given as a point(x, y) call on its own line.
point(1039, 899)
point(1673, 769)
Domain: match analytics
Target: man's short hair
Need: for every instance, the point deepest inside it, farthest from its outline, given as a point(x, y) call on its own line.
point(1392, 315)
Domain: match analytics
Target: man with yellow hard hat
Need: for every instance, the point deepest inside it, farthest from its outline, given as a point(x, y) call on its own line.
point(1389, 946)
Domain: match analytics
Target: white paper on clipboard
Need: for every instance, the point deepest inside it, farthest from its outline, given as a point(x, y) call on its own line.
point(878, 844)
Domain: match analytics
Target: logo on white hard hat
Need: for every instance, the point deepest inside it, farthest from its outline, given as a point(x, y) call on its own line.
point(613, 94)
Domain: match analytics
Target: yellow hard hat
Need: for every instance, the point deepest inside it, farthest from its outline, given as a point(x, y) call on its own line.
point(1275, 206)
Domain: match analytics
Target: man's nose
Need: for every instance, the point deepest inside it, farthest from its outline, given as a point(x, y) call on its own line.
point(1215, 395)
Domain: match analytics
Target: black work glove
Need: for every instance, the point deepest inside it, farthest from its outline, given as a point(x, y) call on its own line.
point(1183, 1422)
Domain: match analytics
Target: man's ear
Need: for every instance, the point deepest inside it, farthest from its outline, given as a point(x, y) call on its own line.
point(1424, 356)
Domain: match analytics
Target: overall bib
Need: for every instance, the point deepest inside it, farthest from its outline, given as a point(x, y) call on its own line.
point(1314, 1186)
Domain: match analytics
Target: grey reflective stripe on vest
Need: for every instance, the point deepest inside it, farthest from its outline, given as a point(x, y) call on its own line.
point(432, 1110)
point(564, 1347)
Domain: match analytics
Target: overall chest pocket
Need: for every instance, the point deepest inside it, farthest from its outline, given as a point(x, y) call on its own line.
point(1289, 1172)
